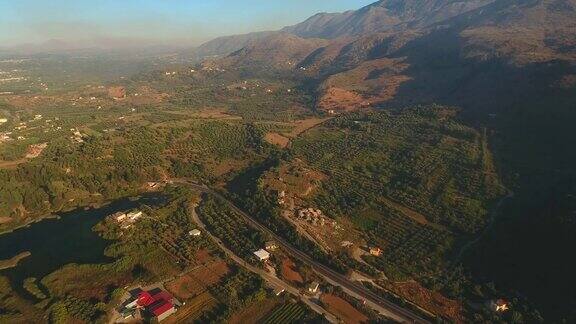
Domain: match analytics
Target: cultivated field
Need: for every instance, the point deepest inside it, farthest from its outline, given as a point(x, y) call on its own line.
point(193, 309)
point(198, 280)
point(255, 312)
point(285, 314)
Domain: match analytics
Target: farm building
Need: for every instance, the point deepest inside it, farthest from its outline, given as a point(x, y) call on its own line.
point(375, 251)
point(155, 304)
point(134, 215)
point(262, 255)
point(119, 217)
point(499, 305)
point(195, 232)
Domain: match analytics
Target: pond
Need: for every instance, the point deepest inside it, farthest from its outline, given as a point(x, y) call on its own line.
point(56, 242)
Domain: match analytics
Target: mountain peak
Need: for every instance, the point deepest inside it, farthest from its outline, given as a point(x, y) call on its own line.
point(382, 16)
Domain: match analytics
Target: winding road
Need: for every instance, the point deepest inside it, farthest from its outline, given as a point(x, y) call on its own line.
point(372, 300)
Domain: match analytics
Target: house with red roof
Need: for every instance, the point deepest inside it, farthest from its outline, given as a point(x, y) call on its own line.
point(154, 304)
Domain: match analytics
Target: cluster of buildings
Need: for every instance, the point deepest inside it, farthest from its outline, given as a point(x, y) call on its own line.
point(126, 220)
point(315, 217)
point(76, 136)
point(155, 304)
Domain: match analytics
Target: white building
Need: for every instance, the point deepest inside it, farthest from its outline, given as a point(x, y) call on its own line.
point(313, 288)
point(134, 215)
point(195, 232)
point(262, 255)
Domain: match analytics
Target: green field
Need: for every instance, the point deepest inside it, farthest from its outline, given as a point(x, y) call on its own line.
point(285, 314)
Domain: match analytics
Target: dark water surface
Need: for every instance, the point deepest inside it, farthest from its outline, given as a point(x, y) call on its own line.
point(69, 239)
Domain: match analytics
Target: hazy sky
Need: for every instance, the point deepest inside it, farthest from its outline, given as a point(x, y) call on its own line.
point(33, 21)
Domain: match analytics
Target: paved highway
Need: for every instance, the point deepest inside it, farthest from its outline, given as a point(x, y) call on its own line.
point(354, 289)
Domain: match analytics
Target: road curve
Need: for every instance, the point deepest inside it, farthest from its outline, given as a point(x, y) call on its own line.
point(372, 299)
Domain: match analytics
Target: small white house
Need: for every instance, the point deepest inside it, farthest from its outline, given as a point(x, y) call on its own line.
point(134, 215)
point(262, 255)
point(195, 232)
point(313, 288)
point(119, 217)
point(499, 305)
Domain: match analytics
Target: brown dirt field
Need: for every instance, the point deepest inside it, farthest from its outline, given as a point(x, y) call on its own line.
point(277, 139)
point(12, 164)
point(289, 273)
point(255, 312)
point(344, 310)
point(185, 287)
point(198, 280)
point(300, 126)
point(341, 100)
point(431, 301)
point(203, 256)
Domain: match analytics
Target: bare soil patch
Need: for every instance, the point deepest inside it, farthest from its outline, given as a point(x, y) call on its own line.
point(203, 256)
point(431, 301)
point(12, 164)
point(198, 280)
point(339, 99)
point(289, 273)
point(277, 139)
point(343, 309)
point(300, 126)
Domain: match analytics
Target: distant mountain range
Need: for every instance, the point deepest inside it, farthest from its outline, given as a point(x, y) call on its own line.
point(384, 15)
point(478, 53)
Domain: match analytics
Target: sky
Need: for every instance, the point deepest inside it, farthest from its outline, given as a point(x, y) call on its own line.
point(156, 21)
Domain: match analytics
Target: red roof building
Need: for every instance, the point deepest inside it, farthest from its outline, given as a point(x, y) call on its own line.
point(157, 302)
point(145, 299)
point(160, 307)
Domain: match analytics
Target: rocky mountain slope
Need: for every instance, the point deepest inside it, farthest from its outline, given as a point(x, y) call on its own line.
point(406, 52)
point(510, 64)
point(383, 16)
